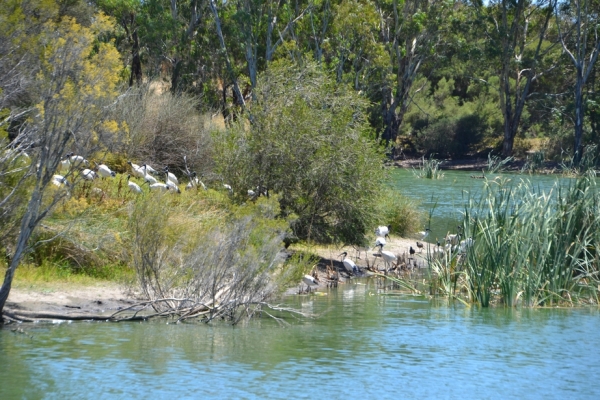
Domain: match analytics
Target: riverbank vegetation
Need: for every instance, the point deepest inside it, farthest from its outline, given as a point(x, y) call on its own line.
point(519, 246)
point(278, 118)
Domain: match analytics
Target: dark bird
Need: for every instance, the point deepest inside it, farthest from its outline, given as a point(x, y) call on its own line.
point(411, 251)
point(420, 246)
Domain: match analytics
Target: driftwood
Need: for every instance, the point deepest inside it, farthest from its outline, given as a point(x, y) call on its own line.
point(181, 309)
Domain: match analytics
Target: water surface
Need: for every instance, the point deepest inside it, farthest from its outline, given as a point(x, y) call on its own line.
point(446, 198)
point(367, 343)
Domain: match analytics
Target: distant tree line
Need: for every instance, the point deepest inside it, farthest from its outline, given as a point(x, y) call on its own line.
point(450, 78)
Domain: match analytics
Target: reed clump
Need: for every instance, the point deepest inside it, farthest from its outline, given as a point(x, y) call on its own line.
point(529, 248)
point(430, 169)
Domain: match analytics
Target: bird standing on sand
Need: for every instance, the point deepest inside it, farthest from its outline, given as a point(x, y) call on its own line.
point(380, 242)
point(423, 234)
point(383, 231)
point(420, 246)
point(411, 251)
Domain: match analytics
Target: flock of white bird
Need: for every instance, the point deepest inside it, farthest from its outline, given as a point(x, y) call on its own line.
point(72, 162)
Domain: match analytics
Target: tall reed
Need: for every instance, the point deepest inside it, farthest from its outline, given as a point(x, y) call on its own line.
point(531, 247)
point(430, 169)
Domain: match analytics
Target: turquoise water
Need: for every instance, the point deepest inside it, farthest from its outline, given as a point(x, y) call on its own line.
point(446, 198)
point(368, 342)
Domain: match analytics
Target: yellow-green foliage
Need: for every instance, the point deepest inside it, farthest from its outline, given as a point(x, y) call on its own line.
point(398, 211)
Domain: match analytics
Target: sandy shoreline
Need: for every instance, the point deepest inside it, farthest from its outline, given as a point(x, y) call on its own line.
point(105, 298)
point(101, 298)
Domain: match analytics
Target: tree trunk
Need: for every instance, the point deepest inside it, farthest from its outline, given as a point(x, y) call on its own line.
point(136, 63)
point(236, 88)
point(28, 224)
point(579, 114)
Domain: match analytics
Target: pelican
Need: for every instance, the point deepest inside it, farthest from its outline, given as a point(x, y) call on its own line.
point(349, 265)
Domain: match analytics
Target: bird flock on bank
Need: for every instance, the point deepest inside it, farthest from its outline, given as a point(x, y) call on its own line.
point(453, 244)
point(166, 181)
point(159, 180)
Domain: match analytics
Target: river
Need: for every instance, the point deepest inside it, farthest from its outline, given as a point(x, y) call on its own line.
point(367, 341)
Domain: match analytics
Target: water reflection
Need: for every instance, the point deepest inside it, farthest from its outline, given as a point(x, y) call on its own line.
point(368, 343)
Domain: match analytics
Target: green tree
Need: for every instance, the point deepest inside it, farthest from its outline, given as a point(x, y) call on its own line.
point(308, 143)
point(577, 22)
point(518, 41)
point(76, 82)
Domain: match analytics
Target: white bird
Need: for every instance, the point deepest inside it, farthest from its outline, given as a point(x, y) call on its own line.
point(380, 242)
point(172, 185)
point(383, 231)
point(158, 186)
point(137, 170)
point(77, 160)
point(150, 169)
point(423, 234)
point(349, 265)
point(105, 172)
point(228, 187)
point(388, 256)
point(465, 245)
point(65, 163)
point(195, 182)
point(310, 281)
point(88, 174)
point(134, 187)
point(453, 239)
point(60, 180)
point(147, 177)
point(171, 176)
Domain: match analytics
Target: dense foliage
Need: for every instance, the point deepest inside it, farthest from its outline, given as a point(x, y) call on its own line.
point(297, 102)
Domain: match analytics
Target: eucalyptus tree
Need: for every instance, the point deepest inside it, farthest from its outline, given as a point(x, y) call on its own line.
point(410, 30)
point(263, 26)
point(126, 13)
point(577, 23)
point(354, 47)
point(516, 41)
point(307, 143)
